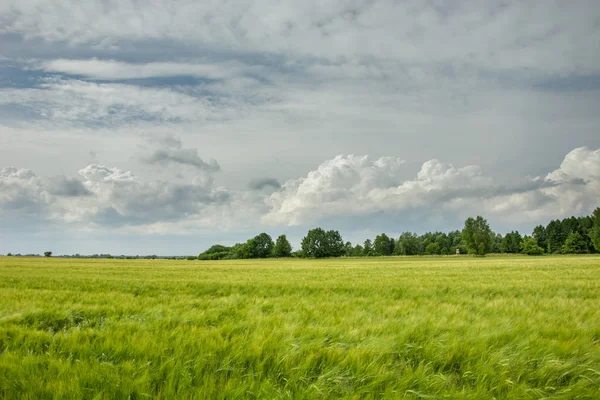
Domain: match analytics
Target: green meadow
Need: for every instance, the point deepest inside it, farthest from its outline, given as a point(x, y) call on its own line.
point(387, 327)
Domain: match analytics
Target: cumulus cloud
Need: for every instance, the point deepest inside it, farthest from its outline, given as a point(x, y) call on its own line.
point(95, 174)
point(357, 186)
point(21, 191)
point(122, 199)
point(344, 187)
point(107, 196)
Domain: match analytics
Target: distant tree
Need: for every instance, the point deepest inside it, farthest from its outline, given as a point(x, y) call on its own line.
point(335, 244)
point(594, 231)
point(318, 243)
point(357, 251)
point(432, 248)
point(540, 236)
point(477, 236)
point(575, 244)
point(392, 245)
point(497, 240)
point(47, 254)
point(381, 245)
point(348, 249)
point(9, 255)
point(299, 254)
point(260, 246)
point(282, 247)
point(314, 243)
point(555, 236)
point(512, 242)
point(530, 247)
point(368, 248)
point(408, 244)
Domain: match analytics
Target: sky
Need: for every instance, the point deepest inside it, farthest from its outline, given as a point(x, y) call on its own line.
point(165, 126)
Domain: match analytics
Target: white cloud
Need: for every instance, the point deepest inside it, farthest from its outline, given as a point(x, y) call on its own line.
point(514, 35)
point(344, 187)
point(95, 174)
point(581, 163)
point(105, 104)
point(118, 70)
point(356, 186)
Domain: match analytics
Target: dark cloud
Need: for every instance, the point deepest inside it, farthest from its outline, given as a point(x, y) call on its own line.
point(180, 156)
point(171, 151)
point(67, 187)
point(264, 183)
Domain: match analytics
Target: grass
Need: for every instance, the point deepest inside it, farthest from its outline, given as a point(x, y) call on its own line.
point(423, 328)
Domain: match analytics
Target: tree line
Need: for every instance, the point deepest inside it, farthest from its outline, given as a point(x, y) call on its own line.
point(568, 236)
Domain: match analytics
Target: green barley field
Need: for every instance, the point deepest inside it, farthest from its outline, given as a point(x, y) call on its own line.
point(422, 328)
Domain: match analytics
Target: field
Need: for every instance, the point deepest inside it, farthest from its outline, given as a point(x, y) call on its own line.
point(431, 328)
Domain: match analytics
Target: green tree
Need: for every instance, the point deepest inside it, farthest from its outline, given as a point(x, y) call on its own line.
point(530, 247)
point(335, 244)
point(477, 236)
point(511, 243)
point(575, 244)
point(497, 240)
point(314, 243)
point(555, 236)
point(260, 246)
point(368, 248)
point(594, 232)
point(540, 236)
point(348, 249)
point(357, 251)
point(47, 254)
point(408, 244)
point(432, 248)
point(381, 245)
point(318, 243)
point(282, 247)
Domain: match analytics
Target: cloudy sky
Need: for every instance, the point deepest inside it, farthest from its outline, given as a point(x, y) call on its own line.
point(136, 127)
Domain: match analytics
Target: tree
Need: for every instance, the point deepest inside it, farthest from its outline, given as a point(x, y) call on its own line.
point(432, 248)
point(260, 246)
point(408, 244)
point(318, 243)
point(282, 247)
point(512, 242)
point(497, 240)
point(335, 244)
point(530, 247)
point(575, 244)
point(357, 251)
point(9, 255)
point(540, 236)
point(368, 248)
point(348, 249)
point(594, 232)
point(47, 254)
point(555, 236)
point(381, 245)
point(477, 236)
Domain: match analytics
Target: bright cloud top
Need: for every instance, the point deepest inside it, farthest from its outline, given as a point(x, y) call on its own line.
point(343, 186)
